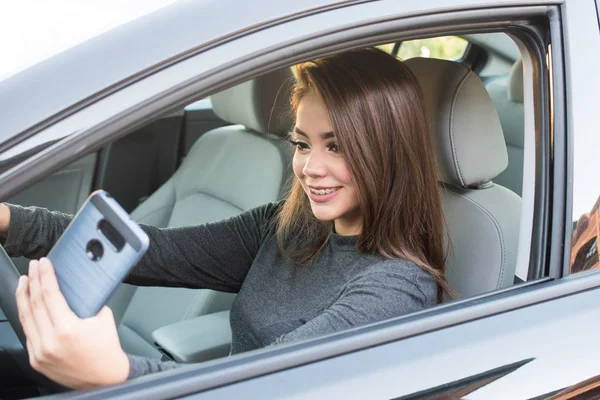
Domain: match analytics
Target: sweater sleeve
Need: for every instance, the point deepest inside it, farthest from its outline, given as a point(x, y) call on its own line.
point(376, 296)
point(214, 256)
point(33, 231)
point(139, 366)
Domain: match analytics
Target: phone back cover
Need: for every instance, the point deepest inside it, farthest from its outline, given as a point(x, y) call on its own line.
point(86, 284)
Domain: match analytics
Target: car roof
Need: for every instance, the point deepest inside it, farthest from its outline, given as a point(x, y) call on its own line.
point(45, 89)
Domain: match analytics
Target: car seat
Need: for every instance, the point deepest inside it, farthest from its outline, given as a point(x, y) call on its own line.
point(228, 170)
point(507, 95)
point(483, 218)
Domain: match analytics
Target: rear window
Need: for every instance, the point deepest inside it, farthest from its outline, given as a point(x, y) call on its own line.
point(443, 47)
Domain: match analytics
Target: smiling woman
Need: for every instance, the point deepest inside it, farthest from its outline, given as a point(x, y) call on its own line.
point(363, 157)
point(341, 251)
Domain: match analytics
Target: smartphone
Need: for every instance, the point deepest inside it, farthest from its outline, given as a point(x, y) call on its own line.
point(95, 253)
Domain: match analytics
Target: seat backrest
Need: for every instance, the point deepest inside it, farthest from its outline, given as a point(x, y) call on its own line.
point(218, 179)
point(507, 95)
point(482, 217)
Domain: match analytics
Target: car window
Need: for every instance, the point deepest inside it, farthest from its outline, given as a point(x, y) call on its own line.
point(443, 47)
point(586, 221)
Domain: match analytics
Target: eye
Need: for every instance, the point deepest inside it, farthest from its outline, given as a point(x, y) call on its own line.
point(301, 146)
point(333, 147)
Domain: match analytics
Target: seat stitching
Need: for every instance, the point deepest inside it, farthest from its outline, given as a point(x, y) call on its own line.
point(498, 230)
point(453, 146)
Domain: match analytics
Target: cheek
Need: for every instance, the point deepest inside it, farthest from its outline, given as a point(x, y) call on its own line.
point(298, 166)
point(343, 174)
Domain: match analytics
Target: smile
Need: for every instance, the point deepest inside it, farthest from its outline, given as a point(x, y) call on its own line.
point(323, 191)
point(323, 195)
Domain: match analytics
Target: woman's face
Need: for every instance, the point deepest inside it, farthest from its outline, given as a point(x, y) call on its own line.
point(322, 170)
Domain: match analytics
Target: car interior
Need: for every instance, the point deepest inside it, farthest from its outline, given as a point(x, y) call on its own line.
point(226, 154)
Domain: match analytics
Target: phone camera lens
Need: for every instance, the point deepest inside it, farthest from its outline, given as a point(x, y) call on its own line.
point(94, 250)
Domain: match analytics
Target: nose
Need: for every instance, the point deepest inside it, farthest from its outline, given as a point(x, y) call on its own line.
point(314, 166)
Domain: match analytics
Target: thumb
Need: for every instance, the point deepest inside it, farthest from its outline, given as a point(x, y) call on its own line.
point(106, 314)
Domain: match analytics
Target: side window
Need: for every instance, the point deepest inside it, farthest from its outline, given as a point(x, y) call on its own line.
point(444, 47)
point(586, 229)
point(586, 202)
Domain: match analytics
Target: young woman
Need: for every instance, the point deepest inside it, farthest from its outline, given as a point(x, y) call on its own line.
point(358, 240)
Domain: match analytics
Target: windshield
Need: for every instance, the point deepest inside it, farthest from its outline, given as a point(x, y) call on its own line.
point(36, 30)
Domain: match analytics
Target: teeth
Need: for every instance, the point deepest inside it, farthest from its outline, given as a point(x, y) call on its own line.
point(323, 191)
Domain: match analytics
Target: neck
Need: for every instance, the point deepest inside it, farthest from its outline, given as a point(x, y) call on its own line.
point(343, 228)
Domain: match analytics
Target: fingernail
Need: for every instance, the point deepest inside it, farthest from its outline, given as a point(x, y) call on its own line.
point(43, 263)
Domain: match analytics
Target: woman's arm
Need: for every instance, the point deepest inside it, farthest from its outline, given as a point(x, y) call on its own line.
point(139, 366)
point(374, 297)
point(214, 256)
point(30, 231)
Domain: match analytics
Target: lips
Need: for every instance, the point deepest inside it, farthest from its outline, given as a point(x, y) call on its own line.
point(320, 194)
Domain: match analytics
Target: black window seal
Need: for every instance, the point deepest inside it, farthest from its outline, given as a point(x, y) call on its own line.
point(597, 13)
point(541, 234)
point(560, 251)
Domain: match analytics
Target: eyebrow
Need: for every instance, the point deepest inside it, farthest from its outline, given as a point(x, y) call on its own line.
point(324, 135)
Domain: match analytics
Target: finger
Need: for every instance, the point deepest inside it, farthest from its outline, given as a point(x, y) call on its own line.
point(31, 354)
point(39, 309)
point(58, 308)
point(25, 317)
point(23, 308)
point(40, 367)
point(105, 313)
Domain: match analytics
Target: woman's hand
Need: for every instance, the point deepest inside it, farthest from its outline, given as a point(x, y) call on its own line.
point(78, 353)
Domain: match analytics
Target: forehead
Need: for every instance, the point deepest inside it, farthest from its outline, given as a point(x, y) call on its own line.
point(312, 115)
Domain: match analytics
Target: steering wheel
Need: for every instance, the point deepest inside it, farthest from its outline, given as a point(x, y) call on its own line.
point(9, 278)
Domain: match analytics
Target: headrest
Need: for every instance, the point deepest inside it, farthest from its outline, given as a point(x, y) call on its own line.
point(465, 128)
point(261, 104)
point(515, 82)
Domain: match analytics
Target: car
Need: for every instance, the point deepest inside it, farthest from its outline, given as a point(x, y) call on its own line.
point(177, 115)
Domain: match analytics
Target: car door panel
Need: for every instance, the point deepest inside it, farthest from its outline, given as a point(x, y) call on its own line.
point(443, 357)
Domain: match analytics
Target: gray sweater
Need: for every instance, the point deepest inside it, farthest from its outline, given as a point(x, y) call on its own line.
point(276, 302)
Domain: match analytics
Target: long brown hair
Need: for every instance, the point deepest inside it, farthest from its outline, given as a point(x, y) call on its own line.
point(376, 109)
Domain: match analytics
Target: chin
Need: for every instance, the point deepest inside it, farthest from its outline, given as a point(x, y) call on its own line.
point(322, 214)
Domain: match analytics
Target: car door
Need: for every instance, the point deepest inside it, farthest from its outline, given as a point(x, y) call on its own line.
point(520, 342)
